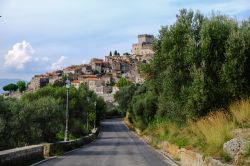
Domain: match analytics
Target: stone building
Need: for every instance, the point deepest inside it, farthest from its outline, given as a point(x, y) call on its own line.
point(107, 79)
point(86, 69)
point(96, 64)
point(54, 76)
point(38, 81)
point(143, 49)
point(76, 83)
point(74, 69)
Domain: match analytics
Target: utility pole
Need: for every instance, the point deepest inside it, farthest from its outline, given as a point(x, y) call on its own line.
point(67, 110)
point(95, 115)
point(88, 99)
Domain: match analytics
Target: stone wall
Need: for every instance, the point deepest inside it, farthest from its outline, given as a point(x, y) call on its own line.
point(29, 154)
point(23, 155)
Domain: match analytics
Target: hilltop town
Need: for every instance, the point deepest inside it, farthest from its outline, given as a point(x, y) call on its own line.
point(101, 75)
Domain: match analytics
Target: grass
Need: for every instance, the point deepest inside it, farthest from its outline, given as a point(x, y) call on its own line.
point(241, 112)
point(207, 134)
point(215, 129)
point(247, 150)
point(225, 157)
point(177, 158)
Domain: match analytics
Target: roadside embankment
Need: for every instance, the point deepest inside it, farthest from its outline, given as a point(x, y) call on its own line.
point(182, 156)
point(219, 138)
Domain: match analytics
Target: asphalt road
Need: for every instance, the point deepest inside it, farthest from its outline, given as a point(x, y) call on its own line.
point(115, 146)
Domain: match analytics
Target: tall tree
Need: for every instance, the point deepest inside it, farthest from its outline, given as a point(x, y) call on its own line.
point(21, 86)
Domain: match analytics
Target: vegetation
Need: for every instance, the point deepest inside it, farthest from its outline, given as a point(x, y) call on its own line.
point(21, 86)
point(201, 65)
point(123, 82)
point(40, 116)
point(10, 87)
point(207, 134)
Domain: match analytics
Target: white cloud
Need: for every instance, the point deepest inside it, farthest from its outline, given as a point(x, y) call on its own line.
point(22, 59)
point(58, 63)
point(19, 56)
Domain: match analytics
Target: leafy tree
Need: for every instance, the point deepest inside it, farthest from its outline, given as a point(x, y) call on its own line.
point(123, 82)
point(124, 97)
point(40, 116)
point(235, 69)
point(115, 53)
point(21, 86)
point(10, 87)
point(110, 53)
point(200, 64)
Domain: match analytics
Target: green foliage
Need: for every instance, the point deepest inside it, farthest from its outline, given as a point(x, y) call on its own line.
point(247, 150)
point(200, 64)
point(10, 87)
point(21, 86)
point(124, 97)
point(226, 157)
point(40, 116)
point(123, 82)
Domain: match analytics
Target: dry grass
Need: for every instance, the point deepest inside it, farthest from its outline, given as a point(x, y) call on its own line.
point(241, 112)
point(215, 129)
point(207, 134)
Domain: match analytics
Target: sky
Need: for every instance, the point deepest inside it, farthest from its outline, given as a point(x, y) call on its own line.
point(37, 36)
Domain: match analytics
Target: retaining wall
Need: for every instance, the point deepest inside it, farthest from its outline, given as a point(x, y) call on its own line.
point(29, 154)
point(23, 155)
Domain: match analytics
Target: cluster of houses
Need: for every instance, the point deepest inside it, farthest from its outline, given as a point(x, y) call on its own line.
point(101, 75)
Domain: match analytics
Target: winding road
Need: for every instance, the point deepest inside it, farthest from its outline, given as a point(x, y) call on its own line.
point(115, 146)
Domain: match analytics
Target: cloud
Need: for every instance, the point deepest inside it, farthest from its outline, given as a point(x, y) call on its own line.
point(19, 56)
point(58, 64)
point(22, 58)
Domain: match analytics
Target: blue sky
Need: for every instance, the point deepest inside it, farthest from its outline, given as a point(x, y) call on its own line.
point(42, 35)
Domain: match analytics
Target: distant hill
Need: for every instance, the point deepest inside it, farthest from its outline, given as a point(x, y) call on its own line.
point(4, 82)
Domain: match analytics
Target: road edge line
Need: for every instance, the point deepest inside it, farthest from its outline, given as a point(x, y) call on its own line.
point(53, 157)
point(158, 151)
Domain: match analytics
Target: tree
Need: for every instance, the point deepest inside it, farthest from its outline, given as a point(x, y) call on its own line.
point(10, 87)
point(123, 82)
point(110, 53)
point(200, 64)
point(21, 86)
point(115, 53)
point(124, 97)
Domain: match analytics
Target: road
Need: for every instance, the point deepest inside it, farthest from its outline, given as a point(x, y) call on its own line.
point(115, 146)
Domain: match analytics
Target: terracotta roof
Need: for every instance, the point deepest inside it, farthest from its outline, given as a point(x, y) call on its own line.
point(91, 79)
point(88, 76)
point(75, 81)
point(98, 62)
